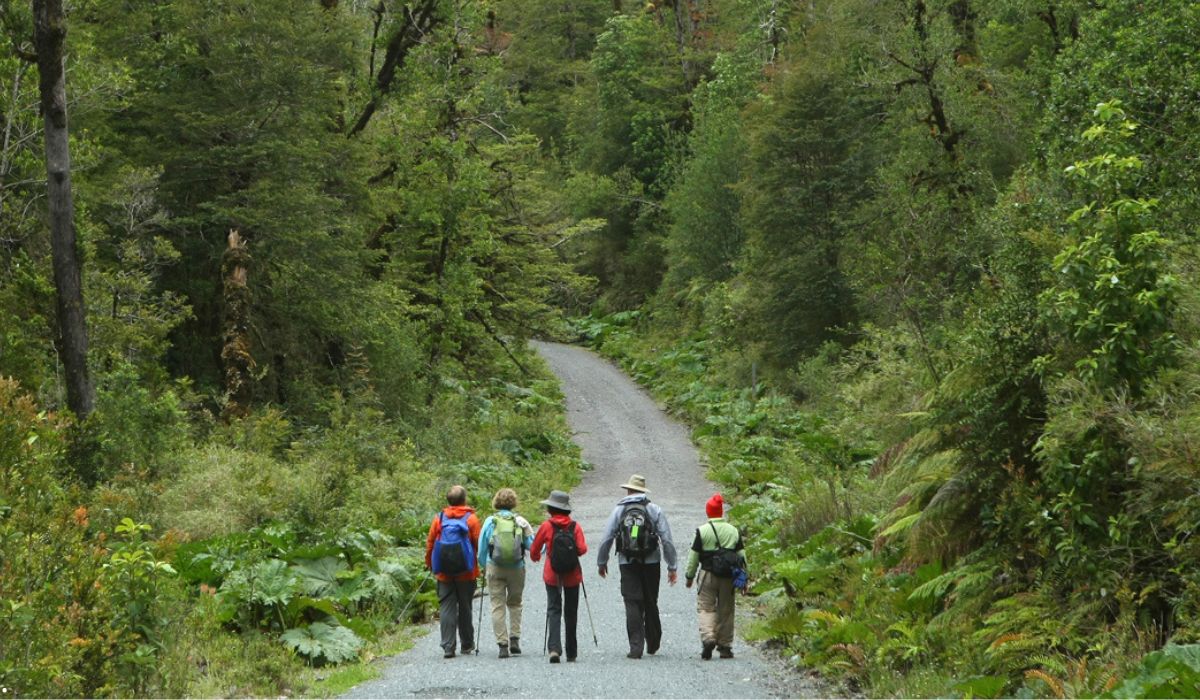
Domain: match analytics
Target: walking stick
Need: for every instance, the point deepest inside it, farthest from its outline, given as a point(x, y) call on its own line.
point(416, 592)
point(588, 605)
point(479, 627)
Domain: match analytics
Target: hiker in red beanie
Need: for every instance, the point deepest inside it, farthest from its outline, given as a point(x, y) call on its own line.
point(717, 552)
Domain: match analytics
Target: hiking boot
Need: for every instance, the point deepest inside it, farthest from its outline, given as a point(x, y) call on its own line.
point(707, 650)
point(634, 655)
point(570, 659)
point(554, 657)
point(468, 650)
point(514, 646)
point(726, 652)
point(504, 651)
point(448, 654)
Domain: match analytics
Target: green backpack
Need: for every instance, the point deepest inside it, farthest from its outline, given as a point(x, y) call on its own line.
point(507, 547)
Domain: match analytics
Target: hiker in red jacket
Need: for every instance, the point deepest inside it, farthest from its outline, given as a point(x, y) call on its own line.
point(450, 552)
point(562, 539)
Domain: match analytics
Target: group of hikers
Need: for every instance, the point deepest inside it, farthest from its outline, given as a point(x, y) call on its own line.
point(459, 548)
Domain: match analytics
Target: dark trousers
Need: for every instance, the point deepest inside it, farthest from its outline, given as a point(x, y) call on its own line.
point(454, 607)
point(554, 610)
point(639, 588)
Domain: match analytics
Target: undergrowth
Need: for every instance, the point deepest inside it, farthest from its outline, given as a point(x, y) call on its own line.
point(252, 558)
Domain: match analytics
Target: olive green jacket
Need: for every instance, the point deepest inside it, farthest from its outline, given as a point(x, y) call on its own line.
point(706, 540)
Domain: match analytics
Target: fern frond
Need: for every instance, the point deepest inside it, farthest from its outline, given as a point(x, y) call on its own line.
point(888, 459)
point(1005, 639)
point(854, 651)
point(935, 588)
point(1051, 663)
point(901, 525)
point(974, 581)
point(824, 616)
point(1051, 681)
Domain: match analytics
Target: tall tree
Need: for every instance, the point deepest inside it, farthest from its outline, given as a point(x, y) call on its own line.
point(49, 38)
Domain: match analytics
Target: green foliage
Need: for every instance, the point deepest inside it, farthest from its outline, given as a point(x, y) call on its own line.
point(47, 564)
point(333, 644)
point(133, 579)
point(1113, 295)
point(948, 387)
point(321, 593)
point(1172, 672)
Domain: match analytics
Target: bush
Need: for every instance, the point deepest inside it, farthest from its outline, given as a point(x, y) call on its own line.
point(48, 563)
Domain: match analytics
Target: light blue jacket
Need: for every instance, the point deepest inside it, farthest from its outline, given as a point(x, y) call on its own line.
point(667, 545)
point(489, 526)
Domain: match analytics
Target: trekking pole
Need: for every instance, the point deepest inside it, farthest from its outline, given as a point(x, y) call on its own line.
point(416, 592)
point(588, 605)
point(479, 627)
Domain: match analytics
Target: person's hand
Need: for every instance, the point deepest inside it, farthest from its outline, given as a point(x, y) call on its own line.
point(672, 577)
point(603, 571)
point(689, 583)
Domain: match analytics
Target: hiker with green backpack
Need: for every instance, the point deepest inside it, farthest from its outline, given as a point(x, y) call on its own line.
point(505, 539)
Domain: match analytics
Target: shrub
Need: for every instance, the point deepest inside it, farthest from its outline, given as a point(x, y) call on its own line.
point(48, 564)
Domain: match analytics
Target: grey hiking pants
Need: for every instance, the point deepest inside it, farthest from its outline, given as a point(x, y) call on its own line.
point(454, 607)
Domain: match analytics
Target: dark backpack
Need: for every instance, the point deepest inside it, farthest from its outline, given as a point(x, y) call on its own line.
point(564, 557)
point(637, 537)
point(722, 561)
point(453, 553)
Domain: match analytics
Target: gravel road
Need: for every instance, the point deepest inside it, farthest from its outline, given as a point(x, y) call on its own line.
point(622, 432)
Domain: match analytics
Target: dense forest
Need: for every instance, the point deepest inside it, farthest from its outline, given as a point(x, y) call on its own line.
point(921, 274)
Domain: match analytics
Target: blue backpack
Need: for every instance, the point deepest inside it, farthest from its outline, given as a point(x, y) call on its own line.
point(453, 553)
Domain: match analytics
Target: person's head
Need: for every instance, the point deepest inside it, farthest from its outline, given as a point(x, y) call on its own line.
point(557, 511)
point(456, 496)
point(505, 499)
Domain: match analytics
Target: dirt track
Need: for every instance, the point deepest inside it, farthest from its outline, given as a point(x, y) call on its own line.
point(622, 432)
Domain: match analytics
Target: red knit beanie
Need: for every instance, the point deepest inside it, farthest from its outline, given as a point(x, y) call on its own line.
point(715, 506)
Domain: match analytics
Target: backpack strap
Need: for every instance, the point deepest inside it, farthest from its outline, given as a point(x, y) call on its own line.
point(716, 535)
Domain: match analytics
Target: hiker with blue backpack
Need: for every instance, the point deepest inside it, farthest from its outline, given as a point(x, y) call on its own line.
point(642, 535)
point(505, 539)
point(562, 540)
point(450, 555)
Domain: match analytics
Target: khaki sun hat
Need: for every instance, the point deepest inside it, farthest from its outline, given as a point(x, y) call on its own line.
point(637, 482)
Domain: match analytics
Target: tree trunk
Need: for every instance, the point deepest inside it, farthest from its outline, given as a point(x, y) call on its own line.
point(49, 35)
point(235, 347)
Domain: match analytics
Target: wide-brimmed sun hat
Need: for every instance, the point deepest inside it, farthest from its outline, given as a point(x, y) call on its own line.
point(637, 482)
point(559, 500)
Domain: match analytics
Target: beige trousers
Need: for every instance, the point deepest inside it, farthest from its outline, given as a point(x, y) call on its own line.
point(714, 602)
point(505, 588)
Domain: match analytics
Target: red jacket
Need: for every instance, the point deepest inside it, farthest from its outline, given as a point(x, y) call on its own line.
point(435, 530)
point(545, 539)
